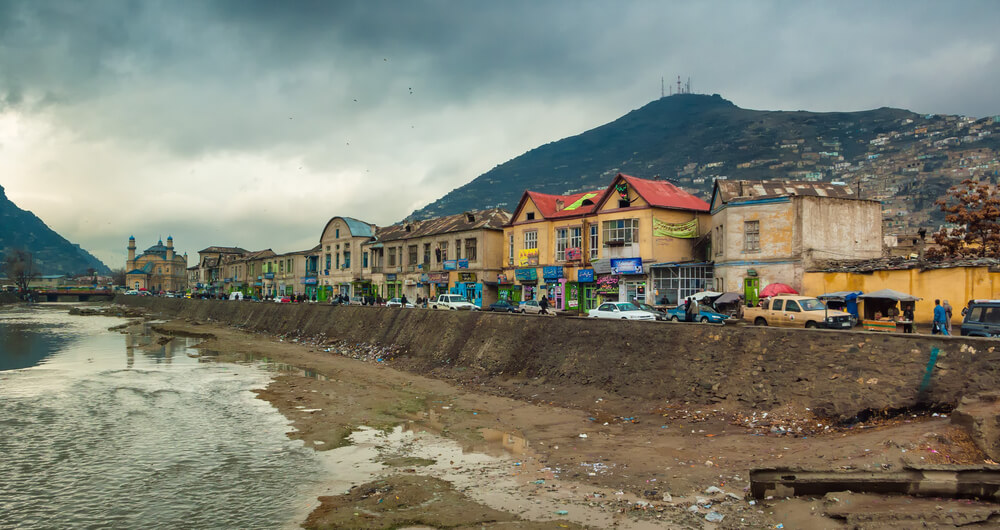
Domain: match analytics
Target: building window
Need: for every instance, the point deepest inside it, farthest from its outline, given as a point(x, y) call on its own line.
point(281, 266)
point(719, 244)
point(576, 238)
point(337, 260)
point(622, 231)
point(673, 284)
point(470, 249)
point(347, 259)
point(751, 236)
point(510, 248)
point(444, 251)
point(427, 253)
point(364, 260)
point(562, 238)
point(458, 249)
point(531, 239)
point(530, 216)
point(594, 248)
point(413, 254)
point(392, 257)
point(336, 233)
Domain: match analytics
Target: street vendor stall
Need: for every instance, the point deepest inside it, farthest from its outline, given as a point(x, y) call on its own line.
point(730, 304)
point(846, 301)
point(881, 312)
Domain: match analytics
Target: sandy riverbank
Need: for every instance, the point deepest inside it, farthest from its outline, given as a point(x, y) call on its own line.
point(601, 460)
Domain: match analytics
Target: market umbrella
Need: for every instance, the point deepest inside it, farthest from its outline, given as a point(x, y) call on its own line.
point(705, 294)
point(727, 298)
point(773, 289)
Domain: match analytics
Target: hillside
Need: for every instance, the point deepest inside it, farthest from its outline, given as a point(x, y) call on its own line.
point(692, 139)
point(52, 253)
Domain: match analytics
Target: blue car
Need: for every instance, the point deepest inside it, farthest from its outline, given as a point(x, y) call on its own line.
point(704, 315)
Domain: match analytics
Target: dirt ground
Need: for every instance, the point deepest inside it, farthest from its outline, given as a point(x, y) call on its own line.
point(457, 451)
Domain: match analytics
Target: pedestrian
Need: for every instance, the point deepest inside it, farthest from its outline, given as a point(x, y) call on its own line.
point(691, 310)
point(908, 318)
point(948, 313)
point(402, 300)
point(939, 326)
point(966, 309)
point(544, 305)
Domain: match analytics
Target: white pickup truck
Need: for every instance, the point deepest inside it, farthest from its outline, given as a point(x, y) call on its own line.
point(454, 302)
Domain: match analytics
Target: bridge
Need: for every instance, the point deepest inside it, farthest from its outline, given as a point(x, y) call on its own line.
point(75, 295)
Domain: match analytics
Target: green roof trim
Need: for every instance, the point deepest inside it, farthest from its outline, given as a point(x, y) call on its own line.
point(579, 202)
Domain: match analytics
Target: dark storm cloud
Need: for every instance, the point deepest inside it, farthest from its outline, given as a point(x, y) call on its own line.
point(300, 110)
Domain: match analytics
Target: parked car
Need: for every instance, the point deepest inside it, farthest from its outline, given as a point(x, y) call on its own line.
point(796, 311)
point(982, 319)
point(502, 306)
point(396, 302)
point(453, 302)
point(620, 310)
point(283, 299)
point(131, 292)
point(704, 315)
point(660, 315)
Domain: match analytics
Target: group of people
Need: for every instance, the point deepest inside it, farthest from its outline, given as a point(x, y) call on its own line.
point(942, 317)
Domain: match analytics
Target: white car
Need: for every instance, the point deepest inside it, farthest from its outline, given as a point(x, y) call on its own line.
point(454, 302)
point(620, 310)
point(396, 302)
point(532, 307)
point(132, 292)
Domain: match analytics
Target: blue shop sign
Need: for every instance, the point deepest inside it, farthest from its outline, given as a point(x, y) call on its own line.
point(626, 265)
point(585, 275)
point(526, 274)
point(450, 264)
point(425, 278)
point(269, 276)
point(390, 277)
point(552, 273)
point(463, 264)
point(309, 281)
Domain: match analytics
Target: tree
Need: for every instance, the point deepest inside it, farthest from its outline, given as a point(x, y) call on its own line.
point(20, 267)
point(118, 276)
point(974, 208)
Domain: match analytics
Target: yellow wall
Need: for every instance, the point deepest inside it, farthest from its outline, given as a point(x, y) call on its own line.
point(958, 285)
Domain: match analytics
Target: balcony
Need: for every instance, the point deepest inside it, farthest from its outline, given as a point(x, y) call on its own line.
point(377, 269)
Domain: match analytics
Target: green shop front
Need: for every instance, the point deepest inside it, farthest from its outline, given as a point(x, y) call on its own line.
point(393, 286)
point(581, 295)
point(508, 290)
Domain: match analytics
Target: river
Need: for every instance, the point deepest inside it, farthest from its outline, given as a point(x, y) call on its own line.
point(104, 429)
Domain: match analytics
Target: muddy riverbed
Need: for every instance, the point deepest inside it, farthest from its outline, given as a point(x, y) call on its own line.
point(463, 452)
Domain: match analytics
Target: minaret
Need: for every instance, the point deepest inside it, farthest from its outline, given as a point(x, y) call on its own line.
point(170, 248)
point(130, 264)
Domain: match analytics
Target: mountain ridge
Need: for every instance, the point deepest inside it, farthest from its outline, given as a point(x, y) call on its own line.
point(692, 139)
point(52, 253)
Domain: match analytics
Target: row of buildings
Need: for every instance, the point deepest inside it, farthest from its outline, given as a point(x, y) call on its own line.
point(637, 239)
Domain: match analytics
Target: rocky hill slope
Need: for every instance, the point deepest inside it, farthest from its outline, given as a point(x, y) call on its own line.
point(692, 139)
point(53, 254)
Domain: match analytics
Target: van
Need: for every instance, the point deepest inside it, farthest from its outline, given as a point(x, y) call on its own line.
point(982, 319)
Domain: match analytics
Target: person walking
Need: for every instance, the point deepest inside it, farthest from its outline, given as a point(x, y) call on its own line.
point(544, 305)
point(691, 310)
point(948, 313)
point(939, 326)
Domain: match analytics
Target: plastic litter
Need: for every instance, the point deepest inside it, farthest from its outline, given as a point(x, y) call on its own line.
point(714, 517)
point(562, 512)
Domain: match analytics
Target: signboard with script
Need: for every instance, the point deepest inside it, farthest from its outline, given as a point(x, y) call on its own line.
point(390, 277)
point(463, 264)
point(309, 281)
point(450, 264)
point(626, 265)
point(574, 254)
point(467, 277)
point(552, 273)
point(527, 257)
point(526, 274)
point(585, 275)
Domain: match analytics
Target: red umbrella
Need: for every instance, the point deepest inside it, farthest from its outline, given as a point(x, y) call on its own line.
point(773, 289)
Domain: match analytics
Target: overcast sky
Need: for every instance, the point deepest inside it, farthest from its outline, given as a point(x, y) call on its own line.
point(243, 123)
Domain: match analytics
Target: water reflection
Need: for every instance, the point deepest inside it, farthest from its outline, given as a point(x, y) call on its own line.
point(510, 441)
point(25, 345)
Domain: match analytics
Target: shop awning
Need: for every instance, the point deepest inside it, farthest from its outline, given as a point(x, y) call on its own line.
point(841, 296)
point(889, 294)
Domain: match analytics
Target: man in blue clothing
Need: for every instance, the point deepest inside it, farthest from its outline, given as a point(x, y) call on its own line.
point(940, 319)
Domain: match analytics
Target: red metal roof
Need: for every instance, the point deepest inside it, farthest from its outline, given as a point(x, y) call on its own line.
point(556, 206)
point(662, 194)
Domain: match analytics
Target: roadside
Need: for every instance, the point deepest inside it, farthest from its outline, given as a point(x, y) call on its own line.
point(567, 448)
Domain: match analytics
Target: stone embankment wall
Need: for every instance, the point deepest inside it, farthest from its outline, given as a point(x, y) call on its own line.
point(837, 374)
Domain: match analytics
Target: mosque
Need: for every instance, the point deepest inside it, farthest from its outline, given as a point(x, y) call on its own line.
point(157, 269)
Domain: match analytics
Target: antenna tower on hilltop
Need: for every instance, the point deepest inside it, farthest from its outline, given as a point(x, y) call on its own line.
point(682, 88)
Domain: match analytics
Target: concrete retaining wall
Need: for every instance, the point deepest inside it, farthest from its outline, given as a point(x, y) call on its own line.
point(837, 374)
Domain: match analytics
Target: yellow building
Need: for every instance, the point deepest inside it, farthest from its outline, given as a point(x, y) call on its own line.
point(956, 282)
point(157, 269)
point(638, 239)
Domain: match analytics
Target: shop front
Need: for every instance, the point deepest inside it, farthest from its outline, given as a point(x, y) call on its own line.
point(363, 288)
point(469, 288)
point(581, 295)
point(437, 284)
point(673, 282)
point(393, 286)
point(528, 279)
point(507, 290)
point(606, 288)
point(632, 279)
point(555, 286)
point(310, 288)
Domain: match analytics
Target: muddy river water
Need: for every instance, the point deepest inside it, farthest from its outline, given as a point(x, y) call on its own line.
point(104, 429)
